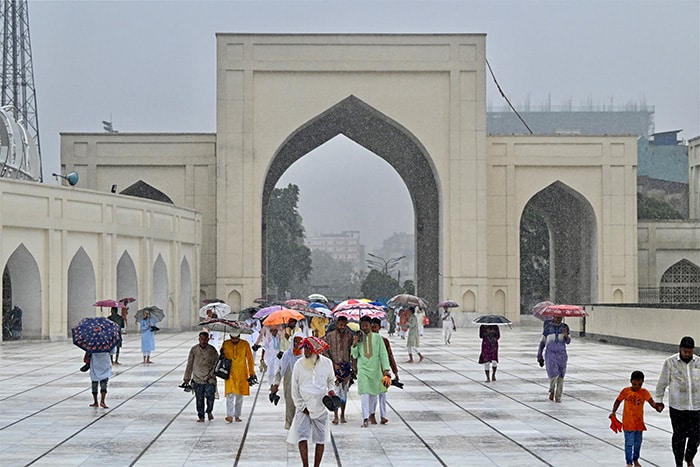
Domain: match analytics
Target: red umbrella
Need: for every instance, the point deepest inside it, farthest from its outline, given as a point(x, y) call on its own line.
point(565, 311)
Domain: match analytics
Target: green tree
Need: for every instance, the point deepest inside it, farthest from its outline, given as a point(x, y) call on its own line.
point(378, 285)
point(654, 209)
point(331, 277)
point(408, 287)
point(288, 259)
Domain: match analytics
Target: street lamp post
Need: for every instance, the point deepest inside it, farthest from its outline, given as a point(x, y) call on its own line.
point(385, 265)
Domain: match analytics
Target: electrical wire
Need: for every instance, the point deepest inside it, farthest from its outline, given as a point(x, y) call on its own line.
point(506, 97)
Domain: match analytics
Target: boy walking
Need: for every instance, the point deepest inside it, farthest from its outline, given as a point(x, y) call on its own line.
point(633, 416)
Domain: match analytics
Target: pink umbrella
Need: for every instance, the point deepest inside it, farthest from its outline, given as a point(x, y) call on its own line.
point(355, 311)
point(296, 302)
point(565, 311)
point(109, 303)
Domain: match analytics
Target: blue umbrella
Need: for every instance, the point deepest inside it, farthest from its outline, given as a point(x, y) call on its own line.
point(97, 334)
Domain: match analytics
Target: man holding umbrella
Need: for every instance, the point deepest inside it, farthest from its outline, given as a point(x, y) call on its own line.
point(200, 370)
point(372, 364)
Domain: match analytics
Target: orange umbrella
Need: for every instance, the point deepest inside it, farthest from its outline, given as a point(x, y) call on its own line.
point(282, 317)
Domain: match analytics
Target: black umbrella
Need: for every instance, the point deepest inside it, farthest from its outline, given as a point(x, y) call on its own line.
point(156, 313)
point(494, 320)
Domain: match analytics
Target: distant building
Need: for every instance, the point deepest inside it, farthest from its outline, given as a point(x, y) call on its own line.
point(662, 169)
point(343, 246)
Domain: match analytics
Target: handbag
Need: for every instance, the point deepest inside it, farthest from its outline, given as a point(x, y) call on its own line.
point(223, 367)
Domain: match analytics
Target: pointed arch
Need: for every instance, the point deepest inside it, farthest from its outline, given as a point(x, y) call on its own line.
point(680, 283)
point(21, 272)
point(160, 286)
point(127, 280)
point(389, 140)
point(185, 295)
point(82, 289)
point(572, 231)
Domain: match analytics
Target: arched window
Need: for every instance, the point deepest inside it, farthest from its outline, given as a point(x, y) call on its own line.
point(680, 283)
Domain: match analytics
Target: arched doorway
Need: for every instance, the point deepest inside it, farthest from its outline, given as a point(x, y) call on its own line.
point(127, 280)
point(160, 287)
point(571, 230)
point(21, 274)
point(185, 295)
point(392, 142)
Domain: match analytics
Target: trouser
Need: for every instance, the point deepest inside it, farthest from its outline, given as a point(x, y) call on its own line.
point(234, 405)
point(289, 408)
point(556, 387)
point(369, 404)
point(491, 364)
point(686, 426)
point(103, 385)
point(633, 444)
point(382, 404)
point(204, 392)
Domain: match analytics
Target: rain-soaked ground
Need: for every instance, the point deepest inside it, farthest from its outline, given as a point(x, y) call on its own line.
point(445, 415)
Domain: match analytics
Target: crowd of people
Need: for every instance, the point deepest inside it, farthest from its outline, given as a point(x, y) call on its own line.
point(315, 366)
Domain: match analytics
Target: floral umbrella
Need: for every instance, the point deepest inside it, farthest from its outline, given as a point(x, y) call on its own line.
point(448, 304)
point(96, 334)
point(225, 325)
point(219, 308)
point(355, 311)
point(281, 317)
point(296, 302)
point(406, 300)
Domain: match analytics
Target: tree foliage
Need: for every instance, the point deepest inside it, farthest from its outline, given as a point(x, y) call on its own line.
point(331, 277)
point(654, 209)
point(378, 285)
point(289, 260)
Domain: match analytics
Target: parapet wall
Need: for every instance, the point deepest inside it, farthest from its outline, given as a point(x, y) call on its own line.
point(653, 328)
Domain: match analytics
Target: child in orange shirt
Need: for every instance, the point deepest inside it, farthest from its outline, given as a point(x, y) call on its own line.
point(633, 416)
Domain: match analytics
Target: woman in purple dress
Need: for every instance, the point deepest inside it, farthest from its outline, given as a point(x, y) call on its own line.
point(489, 335)
point(555, 338)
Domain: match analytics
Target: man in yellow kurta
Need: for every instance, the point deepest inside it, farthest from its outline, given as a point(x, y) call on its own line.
point(318, 326)
point(242, 368)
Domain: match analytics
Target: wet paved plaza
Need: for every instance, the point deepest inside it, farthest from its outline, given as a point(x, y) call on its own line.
point(445, 415)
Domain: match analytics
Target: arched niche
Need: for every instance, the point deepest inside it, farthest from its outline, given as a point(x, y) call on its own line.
point(680, 283)
point(82, 288)
point(127, 280)
point(160, 288)
point(572, 230)
point(389, 140)
point(22, 275)
point(186, 312)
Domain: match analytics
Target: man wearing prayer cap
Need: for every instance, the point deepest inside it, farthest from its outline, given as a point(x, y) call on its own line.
point(242, 368)
point(313, 378)
point(681, 375)
point(372, 364)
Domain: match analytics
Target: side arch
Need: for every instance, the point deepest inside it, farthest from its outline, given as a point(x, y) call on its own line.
point(127, 280)
point(389, 140)
point(82, 289)
point(185, 295)
point(160, 288)
point(21, 272)
point(573, 250)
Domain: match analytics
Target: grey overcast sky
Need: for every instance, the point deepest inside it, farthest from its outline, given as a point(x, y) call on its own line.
point(150, 67)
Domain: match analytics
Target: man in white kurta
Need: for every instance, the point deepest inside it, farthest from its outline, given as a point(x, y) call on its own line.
point(313, 378)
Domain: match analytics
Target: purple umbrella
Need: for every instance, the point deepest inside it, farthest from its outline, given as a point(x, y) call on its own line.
point(263, 312)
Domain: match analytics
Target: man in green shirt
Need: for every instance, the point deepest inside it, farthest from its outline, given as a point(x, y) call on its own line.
point(372, 364)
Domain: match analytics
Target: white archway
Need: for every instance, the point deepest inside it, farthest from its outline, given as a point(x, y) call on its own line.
point(127, 280)
point(186, 311)
point(160, 287)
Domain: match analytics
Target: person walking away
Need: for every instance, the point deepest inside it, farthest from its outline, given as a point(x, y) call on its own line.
point(420, 318)
point(115, 317)
point(100, 372)
point(318, 326)
point(148, 336)
point(269, 361)
point(489, 335)
point(284, 374)
point(413, 340)
point(312, 379)
point(372, 364)
point(375, 325)
point(201, 362)
point(680, 374)
point(633, 425)
point(404, 314)
point(242, 369)
point(391, 319)
point(448, 325)
point(555, 338)
point(339, 342)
